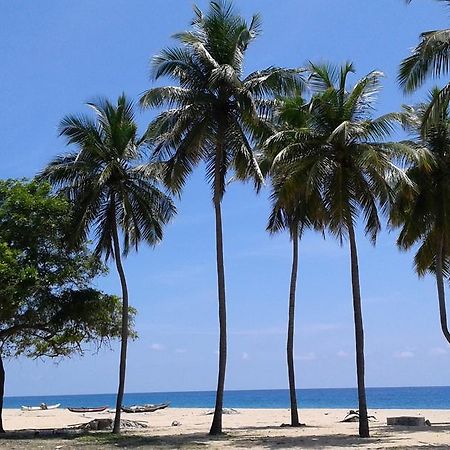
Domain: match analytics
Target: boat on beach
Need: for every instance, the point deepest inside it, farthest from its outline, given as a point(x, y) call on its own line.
point(41, 407)
point(88, 410)
point(144, 408)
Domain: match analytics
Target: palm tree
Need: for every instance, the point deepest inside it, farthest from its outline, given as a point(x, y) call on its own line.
point(347, 164)
point(422, 210)
point(212, 117)
point(293, 209)
point(113, 191)
point(431, 57)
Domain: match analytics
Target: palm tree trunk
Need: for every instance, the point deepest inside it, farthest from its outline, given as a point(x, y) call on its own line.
point(290, 334)
point(441, 291)
point(124, 334)
point(359, 334)
point(216, 426)
point(2, 392)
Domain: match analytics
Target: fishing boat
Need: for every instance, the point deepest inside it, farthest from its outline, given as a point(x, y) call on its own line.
point(144, 408)
point(41, 407)
point(88, 410)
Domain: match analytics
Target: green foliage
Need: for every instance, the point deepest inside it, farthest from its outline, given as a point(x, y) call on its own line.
point(109, 180)
point(332, 152)
point(214, 111)
point(430, 58)
point(293, 207)
point(422, 210)
point(47, 304)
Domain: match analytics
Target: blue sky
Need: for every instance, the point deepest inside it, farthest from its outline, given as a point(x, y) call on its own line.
point(58, 55)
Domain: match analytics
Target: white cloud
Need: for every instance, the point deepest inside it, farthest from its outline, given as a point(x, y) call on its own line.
point(404, 355)
point(438, 351)
point(342, 354)
point(157, 347)
point(245, 356)
point(311, 356)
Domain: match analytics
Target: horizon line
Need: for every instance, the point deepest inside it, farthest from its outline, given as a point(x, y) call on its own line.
point(226, 390)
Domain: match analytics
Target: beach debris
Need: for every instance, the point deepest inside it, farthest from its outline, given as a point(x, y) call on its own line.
point(107, 424)
point(408, 421)
point(353, 416)
point(175, 423)
point(224, 411)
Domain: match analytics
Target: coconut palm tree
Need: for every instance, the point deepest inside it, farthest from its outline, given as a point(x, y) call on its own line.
point(114, 191)
point(212, 114)
point(431, 57)
point(422, 211)
point(293, 209)
point(348, 166)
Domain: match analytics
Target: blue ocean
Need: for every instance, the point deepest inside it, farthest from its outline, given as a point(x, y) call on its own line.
point(381, 398)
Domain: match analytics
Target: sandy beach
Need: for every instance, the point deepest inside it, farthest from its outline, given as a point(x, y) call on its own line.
point(248, 428)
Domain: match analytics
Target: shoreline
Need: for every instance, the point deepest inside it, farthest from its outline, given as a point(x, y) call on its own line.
point(273, 408)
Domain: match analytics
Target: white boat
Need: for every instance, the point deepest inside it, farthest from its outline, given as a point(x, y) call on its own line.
point(41, 407)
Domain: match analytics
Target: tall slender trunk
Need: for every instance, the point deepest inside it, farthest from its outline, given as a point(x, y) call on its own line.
point(216, 426)
point(124, 333)
point(290, 333)
point(2, 392)
point(441, 290)
point(359, 334)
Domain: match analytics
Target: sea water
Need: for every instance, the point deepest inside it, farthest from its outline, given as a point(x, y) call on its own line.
point(377, 398)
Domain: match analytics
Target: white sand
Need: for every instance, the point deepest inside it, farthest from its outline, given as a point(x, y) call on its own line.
point(260, 428)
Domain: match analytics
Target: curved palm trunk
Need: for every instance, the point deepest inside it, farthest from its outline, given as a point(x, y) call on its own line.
point(124, 334)
point(290, 334)
point(216, 426)
point(2, 392)
point(441, 291)
point(359, 334)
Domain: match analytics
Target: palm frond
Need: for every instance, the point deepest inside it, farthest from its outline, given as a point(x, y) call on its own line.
point(430, 57)
point(106, 180)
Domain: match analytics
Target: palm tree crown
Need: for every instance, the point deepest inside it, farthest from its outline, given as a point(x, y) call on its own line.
point(214, 109)
point(422, 209)
point(431, 57)
point(109, 180)
point(343, 152)
point(294, 208)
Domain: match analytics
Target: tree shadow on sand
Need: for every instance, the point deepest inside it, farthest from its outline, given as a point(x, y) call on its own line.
point(247, 437)
point(189, 441)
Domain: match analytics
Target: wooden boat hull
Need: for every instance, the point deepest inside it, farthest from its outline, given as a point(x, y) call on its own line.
point(40, 408)
point(88, 410)
point(144, 408)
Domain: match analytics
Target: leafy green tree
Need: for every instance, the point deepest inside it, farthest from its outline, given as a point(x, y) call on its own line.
point(213, 111)
point(431, 57)
point(114, 191)
point(347, 164)
point(47, 304)
point(293, 209)
point(422, 210)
